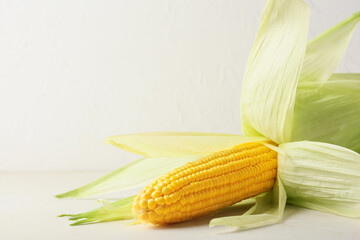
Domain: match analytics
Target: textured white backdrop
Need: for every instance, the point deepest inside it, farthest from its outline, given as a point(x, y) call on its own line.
point(74, 72)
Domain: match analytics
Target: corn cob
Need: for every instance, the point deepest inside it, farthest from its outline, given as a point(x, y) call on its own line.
point(212, 182)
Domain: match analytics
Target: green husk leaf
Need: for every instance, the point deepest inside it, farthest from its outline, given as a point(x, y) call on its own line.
point(144, 170)
point(119, 210)
point(321, 176)
point(345, 77)
point(132, 175)
point(274, 65)
point(324, 53)
point(268, 209)
point(177, 144)
point(329, 111)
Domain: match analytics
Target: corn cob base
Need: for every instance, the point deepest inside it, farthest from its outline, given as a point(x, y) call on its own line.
point(210, 183)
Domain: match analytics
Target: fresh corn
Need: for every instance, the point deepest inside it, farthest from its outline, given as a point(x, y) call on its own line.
point(212, 182)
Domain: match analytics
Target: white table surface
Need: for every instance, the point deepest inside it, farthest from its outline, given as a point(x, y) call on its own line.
point(28, 211)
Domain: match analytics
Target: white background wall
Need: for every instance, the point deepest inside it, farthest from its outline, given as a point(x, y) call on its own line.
point(74, 72)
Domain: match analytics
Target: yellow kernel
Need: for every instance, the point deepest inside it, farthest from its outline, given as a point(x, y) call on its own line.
point(187, 208)
point(159, 209)
point(172, 187)
point(136, 205)
point(166, 210)
point(156, 194)
point(191, 198)
point(174, 177)
point(143, 203)
point(167, 218)
point(160, 200)
point(168, 199)
point(178, 207)
point(176, 196)
point(153, 183)
point(146, 195)
point(151, 204)
point(160, 218)
point(183, 181)
point(175, 215)
point(173, 208)
point(159, 186)
point(166, 191)
point(187, 190)
point(143, 217)
point(152, 216)
point(183, 200)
